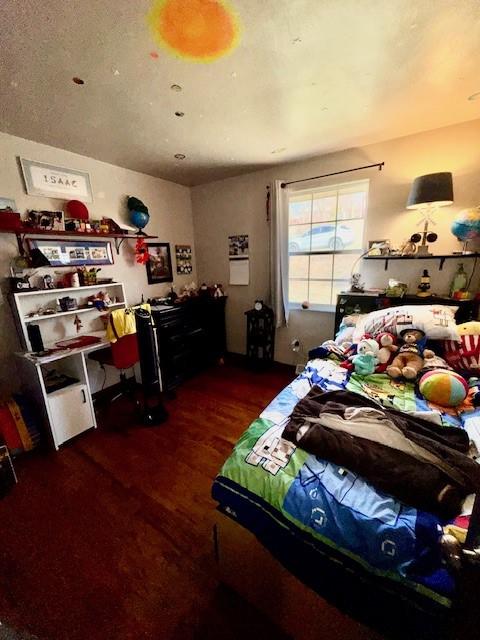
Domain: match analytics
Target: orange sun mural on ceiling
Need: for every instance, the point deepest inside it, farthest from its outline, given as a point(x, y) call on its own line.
point(198, 30)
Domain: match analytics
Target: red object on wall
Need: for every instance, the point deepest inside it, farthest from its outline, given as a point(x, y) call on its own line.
point(141, 251)
point(10, 221)
point(77, 209)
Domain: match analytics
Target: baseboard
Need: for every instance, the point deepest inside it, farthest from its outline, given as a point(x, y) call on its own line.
point(240, 359)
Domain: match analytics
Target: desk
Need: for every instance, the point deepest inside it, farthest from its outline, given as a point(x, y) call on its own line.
point(68, 411)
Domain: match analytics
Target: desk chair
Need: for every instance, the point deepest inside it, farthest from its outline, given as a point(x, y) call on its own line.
point(122, 354)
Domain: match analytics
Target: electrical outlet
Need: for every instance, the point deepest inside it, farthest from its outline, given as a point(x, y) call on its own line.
point(299, 369)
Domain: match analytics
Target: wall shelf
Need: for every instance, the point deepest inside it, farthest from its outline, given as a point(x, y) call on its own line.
point(441, 258)
point(39, 292)
point(46, 316)
point(118, 238)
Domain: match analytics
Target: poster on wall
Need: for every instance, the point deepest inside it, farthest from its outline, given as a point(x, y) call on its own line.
point(73, 253)
point(43, 179)
point(238, 258)
point(183, 256)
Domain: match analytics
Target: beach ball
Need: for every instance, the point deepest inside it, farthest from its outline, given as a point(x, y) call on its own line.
point(443, 387)
point(466, 225)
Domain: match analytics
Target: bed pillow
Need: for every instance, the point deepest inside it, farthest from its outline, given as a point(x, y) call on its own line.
point(347, 327)
point(436, 320)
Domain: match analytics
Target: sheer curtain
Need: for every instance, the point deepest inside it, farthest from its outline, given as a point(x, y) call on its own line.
point(279, 252)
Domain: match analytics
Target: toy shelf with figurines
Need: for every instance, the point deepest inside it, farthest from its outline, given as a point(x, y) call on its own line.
point(55, 309)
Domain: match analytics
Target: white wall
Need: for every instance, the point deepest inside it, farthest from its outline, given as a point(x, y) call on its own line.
point(237, 205)
point(171, 219)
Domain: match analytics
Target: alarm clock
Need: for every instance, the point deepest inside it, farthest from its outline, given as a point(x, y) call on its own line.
point(258, 306)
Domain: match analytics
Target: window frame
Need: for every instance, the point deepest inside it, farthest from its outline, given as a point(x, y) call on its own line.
point(339, 189)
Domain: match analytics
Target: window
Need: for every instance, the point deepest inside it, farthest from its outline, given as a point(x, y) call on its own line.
point(325, 238)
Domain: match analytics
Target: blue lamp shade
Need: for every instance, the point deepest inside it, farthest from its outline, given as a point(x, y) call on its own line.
point(432, 188)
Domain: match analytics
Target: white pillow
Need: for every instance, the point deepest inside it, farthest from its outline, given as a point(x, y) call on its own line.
point(436, 320)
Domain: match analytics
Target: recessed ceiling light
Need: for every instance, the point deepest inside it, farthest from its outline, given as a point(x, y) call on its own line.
point(176, 87)
point(180, 156)
point(78, 80)
point(179, 114)
point(474, 96)
point(280, 150)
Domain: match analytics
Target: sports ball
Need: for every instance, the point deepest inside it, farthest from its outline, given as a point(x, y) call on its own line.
point(443, 387)
point(466, 225)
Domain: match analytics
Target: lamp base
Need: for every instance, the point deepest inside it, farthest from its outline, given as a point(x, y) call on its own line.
point(422, 250)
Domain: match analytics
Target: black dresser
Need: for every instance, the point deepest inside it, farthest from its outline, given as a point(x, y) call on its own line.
point(350, 303)
point(190, 336)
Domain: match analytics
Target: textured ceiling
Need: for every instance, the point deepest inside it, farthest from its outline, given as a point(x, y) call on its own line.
point(307, 77)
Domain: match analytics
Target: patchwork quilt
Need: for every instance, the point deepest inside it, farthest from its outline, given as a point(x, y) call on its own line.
point(335, 507)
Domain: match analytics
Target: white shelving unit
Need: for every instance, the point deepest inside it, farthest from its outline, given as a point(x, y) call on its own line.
point(68, 411)
point(58, 325)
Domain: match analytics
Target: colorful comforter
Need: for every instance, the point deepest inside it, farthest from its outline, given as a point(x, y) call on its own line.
point(335, 507)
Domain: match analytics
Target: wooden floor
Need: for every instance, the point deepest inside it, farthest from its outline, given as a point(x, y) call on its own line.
point(111, 537)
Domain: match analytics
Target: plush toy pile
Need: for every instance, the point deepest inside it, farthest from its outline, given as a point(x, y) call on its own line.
point(407, 357)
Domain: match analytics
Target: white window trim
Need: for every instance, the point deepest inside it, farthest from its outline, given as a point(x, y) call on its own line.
point(330, 308)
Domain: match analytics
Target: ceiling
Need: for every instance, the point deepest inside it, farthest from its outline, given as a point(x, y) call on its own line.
point(307, 77)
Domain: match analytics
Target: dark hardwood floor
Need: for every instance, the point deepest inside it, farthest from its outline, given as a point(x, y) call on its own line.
point(111, 538)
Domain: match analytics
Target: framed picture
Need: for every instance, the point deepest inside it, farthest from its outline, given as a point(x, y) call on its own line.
point(378, 247)
point(159, 265)
point(183, 255)
point(73, 253)
point(56, 182)
point(46, 220)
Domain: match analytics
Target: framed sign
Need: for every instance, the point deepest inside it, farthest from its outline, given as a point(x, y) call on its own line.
point(159, 265)
point(56, 182)
point(74, 253)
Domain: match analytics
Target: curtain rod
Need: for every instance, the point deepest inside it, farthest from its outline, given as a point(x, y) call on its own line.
point(335, 173)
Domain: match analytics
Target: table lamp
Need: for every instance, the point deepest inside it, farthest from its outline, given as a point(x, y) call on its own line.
point(428, 193)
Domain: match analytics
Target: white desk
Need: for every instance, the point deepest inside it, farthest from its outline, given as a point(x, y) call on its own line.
point(68, 411)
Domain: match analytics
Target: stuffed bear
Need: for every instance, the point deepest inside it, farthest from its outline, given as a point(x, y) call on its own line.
point(409, 359)
point(386, 342)
point(366, 359)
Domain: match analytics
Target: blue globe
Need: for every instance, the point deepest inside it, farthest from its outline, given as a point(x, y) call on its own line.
point(467, 224)
point(139, 218)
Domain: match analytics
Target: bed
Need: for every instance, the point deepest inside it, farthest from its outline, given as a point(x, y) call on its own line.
point(326, 534)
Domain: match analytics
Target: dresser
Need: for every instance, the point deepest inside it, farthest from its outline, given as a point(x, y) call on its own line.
point(190, 337)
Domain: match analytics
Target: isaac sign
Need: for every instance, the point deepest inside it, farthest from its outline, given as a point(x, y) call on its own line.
point(56, 182)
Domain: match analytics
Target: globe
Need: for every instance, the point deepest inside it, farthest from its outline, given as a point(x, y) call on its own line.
point(139, 218)
point(466, 225)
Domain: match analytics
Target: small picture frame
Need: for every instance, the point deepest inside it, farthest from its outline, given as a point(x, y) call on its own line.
point(159, 264)
point(378, 247)
point(46, 220)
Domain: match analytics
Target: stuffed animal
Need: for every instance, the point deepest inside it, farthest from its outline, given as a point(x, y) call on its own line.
point(409, 360)
point(366, 359)
point(471, 328)
point(386, 342)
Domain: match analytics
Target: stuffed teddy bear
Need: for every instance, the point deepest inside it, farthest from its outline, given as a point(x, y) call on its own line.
point(366, 359)
point(386, 342)
point(409, 360)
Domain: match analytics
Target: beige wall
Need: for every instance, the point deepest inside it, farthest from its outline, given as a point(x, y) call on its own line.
point(171, 219)
point(237, 205)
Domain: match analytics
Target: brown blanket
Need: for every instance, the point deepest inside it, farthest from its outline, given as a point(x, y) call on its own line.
point(420, 463)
